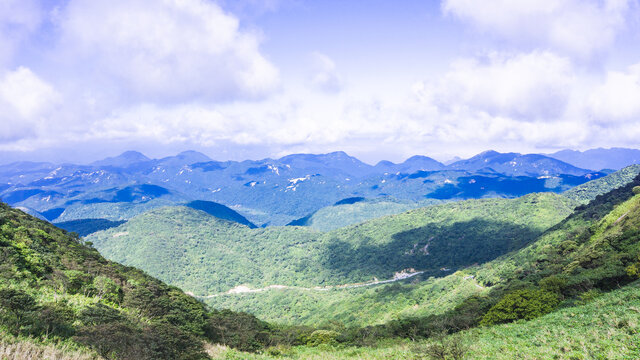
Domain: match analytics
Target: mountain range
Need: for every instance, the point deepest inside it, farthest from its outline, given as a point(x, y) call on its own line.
point(271, 192)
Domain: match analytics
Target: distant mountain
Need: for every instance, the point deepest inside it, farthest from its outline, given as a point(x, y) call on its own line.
point(269, 192)
point(597, 159)
point(332, 164)
point(84, 227)
point(411, 165)
point(184, 158)
point(125, 159)
point(515, 164)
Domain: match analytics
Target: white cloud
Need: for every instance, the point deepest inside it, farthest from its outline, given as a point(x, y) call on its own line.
point(618, 98)
point(163, 50)
point(325, 75)
point(523, 86)
point(25, 102)
point(580, 27)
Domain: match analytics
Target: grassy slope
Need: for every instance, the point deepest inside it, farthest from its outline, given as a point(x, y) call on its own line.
point(205, 255)
point(605, 328)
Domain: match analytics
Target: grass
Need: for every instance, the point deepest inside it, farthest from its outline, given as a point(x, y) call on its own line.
point(12, 348)
point(608, 327)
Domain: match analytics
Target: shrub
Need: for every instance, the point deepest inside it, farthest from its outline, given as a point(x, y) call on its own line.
point(636, 190)
point(443, 347)
point(54, 319)
point(553, 283)
point(524, 304)
point(106, 289)
point(16, 307)
point(320, 337)
point(100, 314)
point(239, 330)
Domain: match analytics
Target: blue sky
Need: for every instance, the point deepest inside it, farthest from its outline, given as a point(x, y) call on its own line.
point(379, 79)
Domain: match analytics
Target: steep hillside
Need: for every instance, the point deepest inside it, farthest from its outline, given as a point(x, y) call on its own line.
point(206, 255)
point(56, 288)
point(596, 327)
point(590, 190)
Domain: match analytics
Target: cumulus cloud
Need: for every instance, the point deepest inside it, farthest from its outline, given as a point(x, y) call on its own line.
point(576, 26)
point(25, 101)
point(165, 51)
point(618, 98)
point(525, 86)
point(325, 75)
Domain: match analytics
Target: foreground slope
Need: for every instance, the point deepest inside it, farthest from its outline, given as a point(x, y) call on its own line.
point(55, 287)
point(604, 327)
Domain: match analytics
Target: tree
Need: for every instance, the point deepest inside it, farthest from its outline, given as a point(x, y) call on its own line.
point(524, 304)
point(15, 306)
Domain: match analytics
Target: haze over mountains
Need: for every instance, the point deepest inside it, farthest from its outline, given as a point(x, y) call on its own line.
point(278, 191)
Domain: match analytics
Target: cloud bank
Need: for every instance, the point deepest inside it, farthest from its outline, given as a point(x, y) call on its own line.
point(187, 73)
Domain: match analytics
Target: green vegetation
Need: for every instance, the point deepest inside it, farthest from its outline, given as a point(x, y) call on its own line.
point(607, 327)
point(184, 246)
point(58, 293)
point(579, 267)
point(554, 286)
point(526, 304)
point(342, 215)
point(589, 190)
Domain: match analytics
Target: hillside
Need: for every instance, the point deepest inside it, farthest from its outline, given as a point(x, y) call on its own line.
point(570, 294)
point(220, 211)
point(345, 213)
point(380, 304)
point(590, 190)
point(205, 255)
point(57, 292)
point(596, 327)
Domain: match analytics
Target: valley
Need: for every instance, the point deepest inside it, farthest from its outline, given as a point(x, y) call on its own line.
point(370, 272)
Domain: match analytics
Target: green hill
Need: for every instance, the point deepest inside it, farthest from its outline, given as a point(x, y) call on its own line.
point(589, 190)
point(59, 296)
point(347, 213)
point(205, 255)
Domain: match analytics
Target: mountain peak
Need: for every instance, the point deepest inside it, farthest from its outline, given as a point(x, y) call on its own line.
point(126, 158)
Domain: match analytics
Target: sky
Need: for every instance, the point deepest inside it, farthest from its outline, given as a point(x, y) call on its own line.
point(380, 79)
